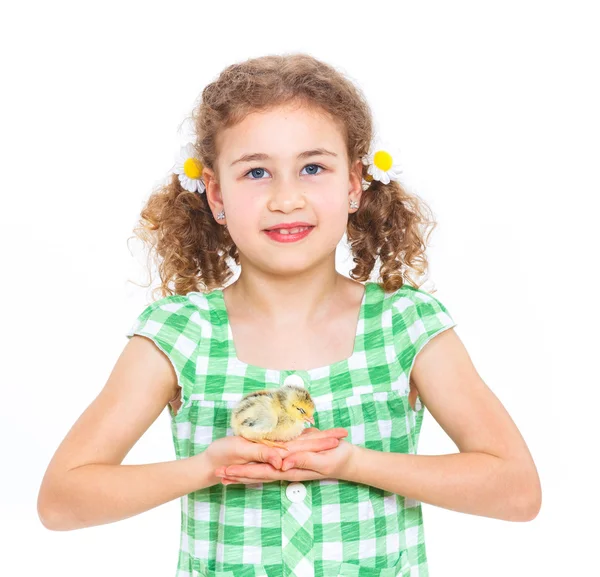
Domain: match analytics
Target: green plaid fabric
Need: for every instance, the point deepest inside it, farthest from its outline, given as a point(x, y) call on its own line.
point(314, 528)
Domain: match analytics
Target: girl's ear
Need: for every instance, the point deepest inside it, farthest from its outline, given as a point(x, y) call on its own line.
point(213, 190)
point(355, 181)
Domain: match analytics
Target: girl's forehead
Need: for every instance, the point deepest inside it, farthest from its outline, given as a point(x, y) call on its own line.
point(301, 120)
point(280, 132)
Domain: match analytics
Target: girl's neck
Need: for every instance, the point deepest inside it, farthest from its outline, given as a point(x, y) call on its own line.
point(285, 302)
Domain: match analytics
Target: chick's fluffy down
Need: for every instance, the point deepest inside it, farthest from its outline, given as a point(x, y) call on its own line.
point(263, 415)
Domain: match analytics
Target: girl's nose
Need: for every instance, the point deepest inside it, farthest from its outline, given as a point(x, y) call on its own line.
point(286, 196)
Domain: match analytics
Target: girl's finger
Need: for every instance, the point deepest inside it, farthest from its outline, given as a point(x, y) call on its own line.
point(267, 471)
point(313, 444)
point(258, 471)
point(244, 480)
point(258, 452)
point(302, 460)
point(337, 433)
point(291, 475)
point(222, 471)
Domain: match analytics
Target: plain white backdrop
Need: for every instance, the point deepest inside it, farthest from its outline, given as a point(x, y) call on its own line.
point(494, 108)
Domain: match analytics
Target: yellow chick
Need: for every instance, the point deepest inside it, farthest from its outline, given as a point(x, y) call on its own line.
point(268, 416)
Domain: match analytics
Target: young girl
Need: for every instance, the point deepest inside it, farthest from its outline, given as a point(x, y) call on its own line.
point(283, 164)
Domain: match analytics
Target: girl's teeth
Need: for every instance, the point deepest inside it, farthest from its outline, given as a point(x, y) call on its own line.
point(292, 230)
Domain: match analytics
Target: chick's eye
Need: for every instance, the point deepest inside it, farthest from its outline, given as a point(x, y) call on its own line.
point(302, 410)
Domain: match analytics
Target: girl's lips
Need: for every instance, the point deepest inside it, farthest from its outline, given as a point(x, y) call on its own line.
point(277, 236)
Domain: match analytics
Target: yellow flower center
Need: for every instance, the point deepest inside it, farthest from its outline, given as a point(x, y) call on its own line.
point(382, 160)
point(368, 177)
point(192, 168)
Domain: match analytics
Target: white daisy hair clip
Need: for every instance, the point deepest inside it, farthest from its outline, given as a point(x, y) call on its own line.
point(383, 166)
point(189, 168)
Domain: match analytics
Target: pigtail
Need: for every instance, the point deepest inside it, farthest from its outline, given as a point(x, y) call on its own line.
point(189, 247)
point(391, 225)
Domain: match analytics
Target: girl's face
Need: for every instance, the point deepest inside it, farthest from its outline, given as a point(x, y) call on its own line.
point(288, 164)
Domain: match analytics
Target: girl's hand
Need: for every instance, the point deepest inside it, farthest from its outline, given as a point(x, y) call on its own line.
point(307, 441)
point(235, 450)
point(302, 465)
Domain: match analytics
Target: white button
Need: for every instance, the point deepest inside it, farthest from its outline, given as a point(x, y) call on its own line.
point(295, 492)
point(294, 380)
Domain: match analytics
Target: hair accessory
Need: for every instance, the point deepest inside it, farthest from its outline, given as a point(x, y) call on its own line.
point(189, 168)
point(381, 166)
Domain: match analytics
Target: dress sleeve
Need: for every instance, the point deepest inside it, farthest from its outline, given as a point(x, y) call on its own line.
point(417, 317)
point(172, 324)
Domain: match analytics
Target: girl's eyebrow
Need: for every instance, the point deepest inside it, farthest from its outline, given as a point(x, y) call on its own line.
point(263, 156)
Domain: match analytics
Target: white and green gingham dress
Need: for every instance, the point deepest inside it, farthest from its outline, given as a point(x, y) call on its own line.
point(311, 528)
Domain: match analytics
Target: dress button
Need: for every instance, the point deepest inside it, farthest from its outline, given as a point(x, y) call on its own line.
point(294, 380)
point(295, 492)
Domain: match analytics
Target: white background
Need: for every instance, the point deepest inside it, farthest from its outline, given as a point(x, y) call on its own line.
point(494, 107)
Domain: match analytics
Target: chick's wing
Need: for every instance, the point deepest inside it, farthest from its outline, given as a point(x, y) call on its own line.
point(256, 413)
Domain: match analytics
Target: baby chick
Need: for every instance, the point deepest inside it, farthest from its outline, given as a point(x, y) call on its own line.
point(268, 416)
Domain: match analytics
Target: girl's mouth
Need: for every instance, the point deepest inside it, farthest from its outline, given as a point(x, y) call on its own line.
point(289, 235)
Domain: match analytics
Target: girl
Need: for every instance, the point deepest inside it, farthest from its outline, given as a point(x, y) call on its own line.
point(283, 164)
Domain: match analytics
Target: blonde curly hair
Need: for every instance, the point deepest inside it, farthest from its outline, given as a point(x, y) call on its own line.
point(192, 249)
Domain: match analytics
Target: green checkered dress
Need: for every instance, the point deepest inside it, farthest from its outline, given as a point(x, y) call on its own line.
point(313, 528)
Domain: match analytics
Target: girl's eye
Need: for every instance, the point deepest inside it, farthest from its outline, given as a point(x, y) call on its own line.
point(315, 165)
point(258, 172)
point(254, 171)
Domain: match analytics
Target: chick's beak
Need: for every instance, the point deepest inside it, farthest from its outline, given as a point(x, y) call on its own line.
point(310, 419)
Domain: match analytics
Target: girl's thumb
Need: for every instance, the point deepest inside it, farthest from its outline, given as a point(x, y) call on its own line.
point(267, 455)
point(300, 460)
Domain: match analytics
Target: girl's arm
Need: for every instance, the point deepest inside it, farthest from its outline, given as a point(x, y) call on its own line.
point(96, 494)
point(85, 484)
point(493, 475)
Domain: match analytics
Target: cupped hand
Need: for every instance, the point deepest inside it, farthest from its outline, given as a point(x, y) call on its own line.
point(311, 442)
point(236, 450)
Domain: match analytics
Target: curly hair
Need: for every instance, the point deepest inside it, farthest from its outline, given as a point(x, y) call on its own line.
point(192, 249)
